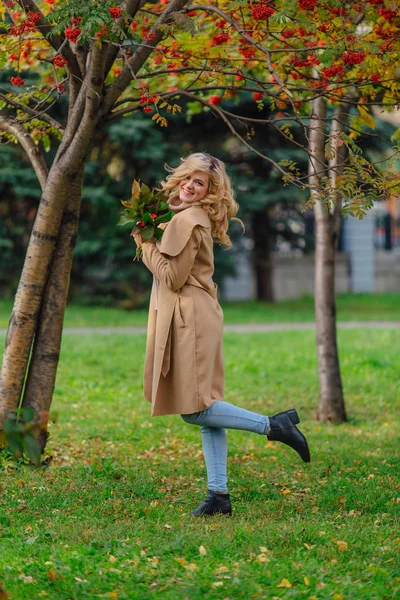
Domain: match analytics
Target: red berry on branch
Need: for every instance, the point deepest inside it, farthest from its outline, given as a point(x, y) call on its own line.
point(220, 38)
point(72, 33)
point(17, 81)
point(147, 109)
point(59, 61)
point(353, 58)
point(257, 96)
point(153, 216)
point(307, 4)
point(215, 100)
point(115, 12)
point(262, 11)
point(375, 77)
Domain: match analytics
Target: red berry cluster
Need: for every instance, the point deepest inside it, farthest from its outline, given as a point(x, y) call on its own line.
point(115, 12)
point(307, 4)
point(153, 216)
point(17, 81)
point(262, 11)
point(286, 33)
point(140, 223)
point(387, 14)
point(353, 58)
point(220, 38)
point(257, 96)
point(148, 109)
point(375, 77)
point(28, 25)
point(339, 12)
point(330, 72)
point(72, 33)
point(59, 61)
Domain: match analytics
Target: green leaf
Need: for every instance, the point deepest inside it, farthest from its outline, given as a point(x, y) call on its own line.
point(158, 233)
point(147, 218)
point(32, 449)
point(165, 218)
point(147, 232)
point(124, 220)
point(163, 206)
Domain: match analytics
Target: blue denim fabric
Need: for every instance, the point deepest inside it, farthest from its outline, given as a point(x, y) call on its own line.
point(213, 422)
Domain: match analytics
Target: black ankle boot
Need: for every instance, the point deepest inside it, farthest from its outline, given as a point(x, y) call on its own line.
point(283, 429)
point(215, 503)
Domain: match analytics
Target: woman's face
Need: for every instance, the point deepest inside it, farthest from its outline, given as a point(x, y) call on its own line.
point(194, 187)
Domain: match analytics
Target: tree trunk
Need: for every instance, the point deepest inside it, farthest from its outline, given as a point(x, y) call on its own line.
point(43, 364)
point(331, 404)
point(68, 162)
point(28, 299)
point(263, 259)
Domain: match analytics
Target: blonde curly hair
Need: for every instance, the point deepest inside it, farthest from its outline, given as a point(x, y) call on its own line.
point(219, 201)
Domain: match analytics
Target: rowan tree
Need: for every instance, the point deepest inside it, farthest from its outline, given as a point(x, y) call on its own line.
point(321, 65)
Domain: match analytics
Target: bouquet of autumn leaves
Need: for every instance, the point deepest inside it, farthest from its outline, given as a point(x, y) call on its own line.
point(146, 210)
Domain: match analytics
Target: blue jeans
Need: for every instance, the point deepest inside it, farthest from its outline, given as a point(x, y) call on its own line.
point(213, 422)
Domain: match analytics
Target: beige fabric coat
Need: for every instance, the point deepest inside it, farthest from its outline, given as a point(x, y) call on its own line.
point(184, 364)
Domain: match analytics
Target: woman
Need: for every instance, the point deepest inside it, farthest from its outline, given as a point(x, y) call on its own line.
point(184, 365)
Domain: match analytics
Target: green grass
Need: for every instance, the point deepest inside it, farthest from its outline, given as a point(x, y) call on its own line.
point(109, 517)
point(350, 307)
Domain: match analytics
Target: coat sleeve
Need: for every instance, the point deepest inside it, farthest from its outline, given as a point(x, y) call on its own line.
point(172, 271)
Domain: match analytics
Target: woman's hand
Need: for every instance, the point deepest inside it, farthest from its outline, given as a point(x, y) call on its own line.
point(136, 236)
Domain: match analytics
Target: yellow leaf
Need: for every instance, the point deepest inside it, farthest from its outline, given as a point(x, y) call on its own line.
point(113, 595)
point(265, 550)
point(191, 567)
point(181, 561)
point(258, 35)
point(313, 598)
point(320, 584)
point(112, 559)
point(167, 526)
point(135, 189)
point(306, 580)
point(285, 583)
point(126, 203)
point(371, 476)
point(262, 558)
point(309, 547)
point(341, 545)
point(202, 550)
point(338, 596)
point(218, 583)
point(321, 532)
point(286, 492)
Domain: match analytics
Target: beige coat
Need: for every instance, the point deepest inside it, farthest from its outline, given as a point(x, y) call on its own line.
point(184, 365)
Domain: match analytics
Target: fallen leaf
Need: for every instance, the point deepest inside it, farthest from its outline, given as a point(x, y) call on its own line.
point(3, 594)
point(371, 476)
point(262, 558)
point(320, 585)
point(52, 575)
point(285, 583)
point(220, 570)
point(338, 596)
point(321, 533)
point(202, 550)
point(27, 578)
point(341, 545)
point(286, 492)
point(113, 559)
point(113, 595)
point(218, 583)
point(306, 580)
point(167, 526)
point(264, 550)
point(191, 567)
point(309, 547)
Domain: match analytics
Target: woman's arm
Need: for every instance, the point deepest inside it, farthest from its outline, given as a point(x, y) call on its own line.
point(174, 270)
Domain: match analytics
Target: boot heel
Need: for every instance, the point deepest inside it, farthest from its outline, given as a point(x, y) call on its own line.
point(293, 416)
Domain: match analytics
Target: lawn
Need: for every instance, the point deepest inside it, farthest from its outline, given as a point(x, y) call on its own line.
point(350, 307)
point(109, 514)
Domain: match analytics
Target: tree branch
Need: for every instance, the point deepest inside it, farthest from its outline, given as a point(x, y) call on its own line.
point(42, 116)
point(139, 57)
point(33, 151)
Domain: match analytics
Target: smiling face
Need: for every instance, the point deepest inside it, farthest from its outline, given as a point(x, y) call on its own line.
point(194, 187)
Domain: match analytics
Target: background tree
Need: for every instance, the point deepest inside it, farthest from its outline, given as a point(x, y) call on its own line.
point(116, 60)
